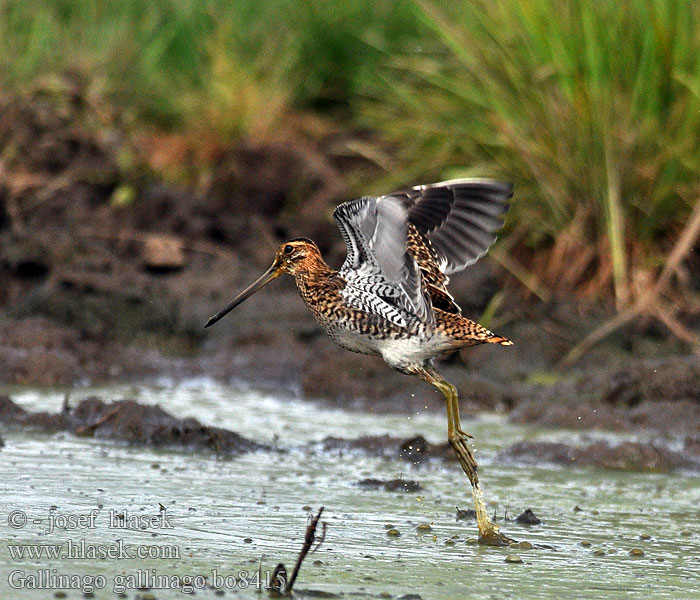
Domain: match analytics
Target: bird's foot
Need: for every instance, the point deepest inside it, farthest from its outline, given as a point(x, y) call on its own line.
point(465, 434)
point(458, 441)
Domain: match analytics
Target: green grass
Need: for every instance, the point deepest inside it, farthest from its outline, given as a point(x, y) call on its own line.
point(168, 59)
point(593, 108)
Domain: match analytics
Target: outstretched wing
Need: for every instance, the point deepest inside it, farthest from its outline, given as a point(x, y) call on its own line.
point(382, 277)
point(460, 217)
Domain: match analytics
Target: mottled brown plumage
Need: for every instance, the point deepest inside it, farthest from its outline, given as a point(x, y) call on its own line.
point(390, 297)
point(321, 289)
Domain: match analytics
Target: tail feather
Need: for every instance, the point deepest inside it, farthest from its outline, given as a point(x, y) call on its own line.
point(498, 339)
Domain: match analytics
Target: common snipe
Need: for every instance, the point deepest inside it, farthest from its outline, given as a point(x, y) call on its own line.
point(390, 296)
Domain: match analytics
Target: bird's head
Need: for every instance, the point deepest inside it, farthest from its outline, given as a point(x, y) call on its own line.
point(299, 254)
point(293, 257)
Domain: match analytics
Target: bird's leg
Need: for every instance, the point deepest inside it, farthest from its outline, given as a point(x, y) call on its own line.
point(488, 531)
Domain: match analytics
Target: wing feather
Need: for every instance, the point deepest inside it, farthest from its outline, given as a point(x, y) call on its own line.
point(457, 220)
point(382, 276)
point(447, 212)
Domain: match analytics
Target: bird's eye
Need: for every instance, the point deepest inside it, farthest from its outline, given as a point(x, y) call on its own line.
point(288, 249)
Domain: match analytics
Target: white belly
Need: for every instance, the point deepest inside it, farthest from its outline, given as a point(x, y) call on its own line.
point(412, 350)
point(397, 353)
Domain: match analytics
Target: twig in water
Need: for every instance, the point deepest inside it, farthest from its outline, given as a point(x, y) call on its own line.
point(309, 540)
point(323, 537)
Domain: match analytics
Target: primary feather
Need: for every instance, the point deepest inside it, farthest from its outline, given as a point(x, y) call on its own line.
point(459, 217)
point(402, 246)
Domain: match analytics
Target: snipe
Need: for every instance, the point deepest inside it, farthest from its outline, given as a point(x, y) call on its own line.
point(390, 296)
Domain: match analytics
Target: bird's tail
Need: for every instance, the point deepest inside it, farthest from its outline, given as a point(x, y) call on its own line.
point(499, 339)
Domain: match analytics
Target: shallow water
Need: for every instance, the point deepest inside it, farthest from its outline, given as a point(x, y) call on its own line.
point(224, 514)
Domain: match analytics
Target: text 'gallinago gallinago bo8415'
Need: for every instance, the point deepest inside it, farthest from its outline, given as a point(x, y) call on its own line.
point(390, 296)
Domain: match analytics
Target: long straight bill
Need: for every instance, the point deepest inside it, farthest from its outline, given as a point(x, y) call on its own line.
point(267, 277)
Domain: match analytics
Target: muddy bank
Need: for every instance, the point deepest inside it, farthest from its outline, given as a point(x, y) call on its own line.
point(660, 395)
point(414, 450)
point(625, 456)
point(390, 485)
point(131, 422)
point(93, 239)
point(39, 351)
point(128, 421)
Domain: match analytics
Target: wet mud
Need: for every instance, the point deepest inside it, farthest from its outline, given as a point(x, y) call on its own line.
point(660, 395)
point(414, 450)
point(390, 485)
point(131, 422)
point(135, 423)
point(625, 456)
point(527, 517)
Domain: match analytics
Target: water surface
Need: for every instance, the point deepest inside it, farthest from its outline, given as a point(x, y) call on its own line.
point(226, 514)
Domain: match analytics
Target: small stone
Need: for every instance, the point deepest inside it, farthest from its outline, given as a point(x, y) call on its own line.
point(521, 545)
point(513, 558)
point(686, 532)
point(248, 540)
point(393, 532)
point(527, 518)
point(424, 528)
point(163, 253)
point(388, 526)
point(585, 544)
point(306, 508)
point(636, 552)
point(577, 508)
point(317, 562)
point(644, 536)
point(449, 542)
point(60, 595)
point(598, 552)
point(467, 514)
